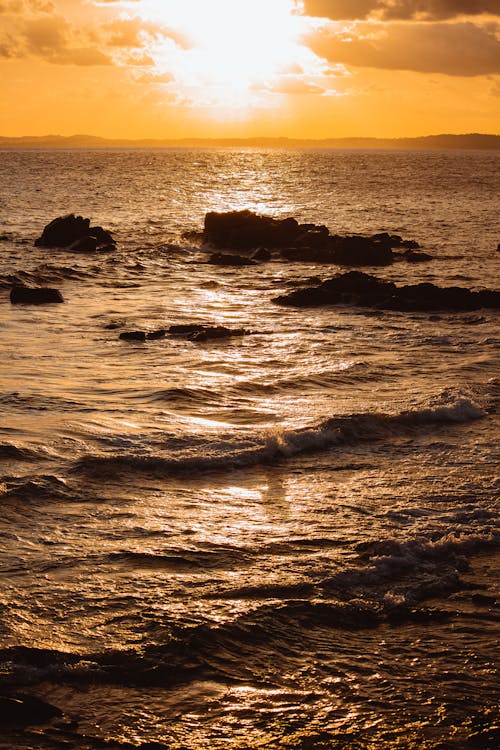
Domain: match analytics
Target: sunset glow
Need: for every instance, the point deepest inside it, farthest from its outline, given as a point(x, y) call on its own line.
point(231, 68)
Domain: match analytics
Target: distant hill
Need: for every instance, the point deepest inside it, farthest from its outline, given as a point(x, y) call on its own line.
point(467, 141)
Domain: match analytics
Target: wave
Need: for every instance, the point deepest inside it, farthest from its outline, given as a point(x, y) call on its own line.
point(46, 273)
point(279, 444)
point(42, 487)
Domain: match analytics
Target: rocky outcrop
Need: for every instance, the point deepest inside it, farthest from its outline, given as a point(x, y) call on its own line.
point(76, 235)
point(310, 243)
point(362, 290)
point(24, 295)
point(245, 230)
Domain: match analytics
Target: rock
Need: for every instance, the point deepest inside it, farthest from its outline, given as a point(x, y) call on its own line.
point(262, 254)
point(229, 259)
point(199, 332)
point(86, 244)
point(26, 710)
point(159, 334)
point(410, 256)
point(360, 289)
point(245, 230)
point(361, 251)
point(23, 295)
point(75, 234)
point(133, 336)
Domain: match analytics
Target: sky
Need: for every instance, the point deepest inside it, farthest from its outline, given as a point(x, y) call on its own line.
point(249, 68)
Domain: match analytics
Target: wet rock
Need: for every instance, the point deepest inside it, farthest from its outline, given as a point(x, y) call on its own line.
point(361, 251)
point(245, 230)
point(154, 335)
point(26, 710)
point(229, 259)
point(410, 256)
point(350, 288)
point(133, 336)
point(199, 332)
point(23, 295)
point(262, 254)
point(75, 234)
point(360, 289)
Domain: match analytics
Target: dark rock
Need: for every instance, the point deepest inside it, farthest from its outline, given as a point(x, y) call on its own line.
point(309, 254)
point(26, 710)
point(228, 259)
point(245, 230)
point(86, 244)
point(412, 257)
point(75, 234)
point(350, 288)
point(159, 334)
point(361, 251)
point(262, 254)
point(360, 289)
point(133, 336)
point(23, 295)
point(198, 332)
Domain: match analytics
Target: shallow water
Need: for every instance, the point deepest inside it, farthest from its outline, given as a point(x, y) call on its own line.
point(287, 538)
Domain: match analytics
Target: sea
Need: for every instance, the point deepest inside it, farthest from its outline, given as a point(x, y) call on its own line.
point(286, 539)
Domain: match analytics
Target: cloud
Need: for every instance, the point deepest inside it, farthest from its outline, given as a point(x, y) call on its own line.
point(459, 49)
point(422, 10)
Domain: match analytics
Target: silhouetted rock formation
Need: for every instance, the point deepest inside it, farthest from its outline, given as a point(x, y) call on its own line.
point(76, 235)
point(25, 710)
point(34, 296)
point(310, 243)
point(360, 289)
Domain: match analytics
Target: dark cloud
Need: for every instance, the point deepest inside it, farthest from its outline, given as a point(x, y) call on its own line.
point(424, 10)
point(459, 49)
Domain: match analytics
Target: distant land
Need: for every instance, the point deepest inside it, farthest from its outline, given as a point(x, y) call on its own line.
point(466, 141)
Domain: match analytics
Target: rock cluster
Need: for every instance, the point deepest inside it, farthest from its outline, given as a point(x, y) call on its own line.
point(247, 232)
point(360, 289)
point(190, 331)
point(75, 234)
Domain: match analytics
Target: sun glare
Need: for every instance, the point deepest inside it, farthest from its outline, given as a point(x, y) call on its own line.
point(235, 52)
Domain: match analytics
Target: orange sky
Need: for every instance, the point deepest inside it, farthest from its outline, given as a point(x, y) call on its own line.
point(242, 68)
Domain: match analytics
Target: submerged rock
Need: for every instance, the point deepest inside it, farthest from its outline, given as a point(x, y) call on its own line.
point(24, 295)
point(199, 332)
point(75, 234)
point(360, 289)
point(230, 259)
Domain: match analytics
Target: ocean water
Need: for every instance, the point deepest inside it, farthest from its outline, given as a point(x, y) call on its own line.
point(287, 539)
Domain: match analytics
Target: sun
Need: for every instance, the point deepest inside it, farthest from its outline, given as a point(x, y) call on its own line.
point(235, 51)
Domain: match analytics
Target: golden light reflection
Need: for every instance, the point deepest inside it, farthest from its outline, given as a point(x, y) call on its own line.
point(236, 55)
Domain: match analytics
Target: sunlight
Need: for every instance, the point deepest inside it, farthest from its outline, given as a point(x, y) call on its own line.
point(235, 51)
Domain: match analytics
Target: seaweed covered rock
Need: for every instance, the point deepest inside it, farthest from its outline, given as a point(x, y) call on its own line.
point(362, 290)
point(76, 235)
